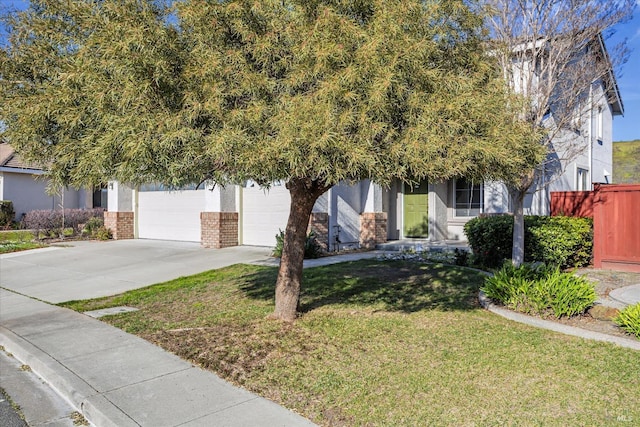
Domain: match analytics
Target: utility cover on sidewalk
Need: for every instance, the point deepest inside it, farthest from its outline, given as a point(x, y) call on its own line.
point(109, 311)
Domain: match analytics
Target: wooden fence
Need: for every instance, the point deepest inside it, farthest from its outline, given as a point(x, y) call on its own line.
point(615, 210)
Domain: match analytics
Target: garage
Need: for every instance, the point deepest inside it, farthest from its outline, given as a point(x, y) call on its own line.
point(264, 213)
point(169, 215)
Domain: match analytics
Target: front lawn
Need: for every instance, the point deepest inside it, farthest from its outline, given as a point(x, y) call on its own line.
point(384, 343)
point(20, 240)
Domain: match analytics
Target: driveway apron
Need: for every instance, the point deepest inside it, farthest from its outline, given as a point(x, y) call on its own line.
point(96, 269)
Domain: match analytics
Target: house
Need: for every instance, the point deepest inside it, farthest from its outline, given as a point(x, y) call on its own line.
point(23, 184)
point(363, 214)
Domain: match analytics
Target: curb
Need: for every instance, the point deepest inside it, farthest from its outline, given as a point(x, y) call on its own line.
point(80, 395)
point(486, 303)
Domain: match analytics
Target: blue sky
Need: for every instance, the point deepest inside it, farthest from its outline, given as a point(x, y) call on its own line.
point(625, 128)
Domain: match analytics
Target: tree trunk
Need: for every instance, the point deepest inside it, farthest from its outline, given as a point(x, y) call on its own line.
point(517, 254)
point(304, 193)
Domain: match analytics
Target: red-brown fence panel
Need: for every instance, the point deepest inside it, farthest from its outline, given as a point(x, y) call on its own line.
point(616, 227)
point(572, 203)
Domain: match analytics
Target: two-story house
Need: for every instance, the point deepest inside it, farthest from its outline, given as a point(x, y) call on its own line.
point(363, 213)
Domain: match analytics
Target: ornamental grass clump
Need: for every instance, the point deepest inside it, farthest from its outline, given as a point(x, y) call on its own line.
point(538, 289)
point(629, 319)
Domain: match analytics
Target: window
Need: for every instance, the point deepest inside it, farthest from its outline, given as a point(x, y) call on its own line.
point(599, 125)
point(469, 198)
point(582, 180)
point(576, 119)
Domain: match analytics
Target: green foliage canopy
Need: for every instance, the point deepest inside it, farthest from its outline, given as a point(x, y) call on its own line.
point(140, 91)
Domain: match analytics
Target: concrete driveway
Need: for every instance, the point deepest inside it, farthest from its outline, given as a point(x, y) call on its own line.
point(89, 269)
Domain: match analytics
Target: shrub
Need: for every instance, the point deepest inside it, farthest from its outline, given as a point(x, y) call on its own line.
point(461, 257)
point(95, 228)
point(312, 248)
point(6, 214)
point(629, 319)
point(103, 233)
point(75, 218)
point(49, 222)
point(92, 225)
point(540, 290)
point(562, 241)
point(490, 239)
point(42, 222)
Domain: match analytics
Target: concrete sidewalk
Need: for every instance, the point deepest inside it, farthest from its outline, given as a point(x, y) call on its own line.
point(117, 379)
point(111, 377)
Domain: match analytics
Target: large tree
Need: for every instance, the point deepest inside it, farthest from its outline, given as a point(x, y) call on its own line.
point(309, 92)
point(552, 52)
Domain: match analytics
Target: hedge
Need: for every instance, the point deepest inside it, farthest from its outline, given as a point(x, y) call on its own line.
point(554, 240)
point(47, 221)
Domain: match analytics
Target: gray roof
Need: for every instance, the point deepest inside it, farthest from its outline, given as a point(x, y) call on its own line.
point(10, 159)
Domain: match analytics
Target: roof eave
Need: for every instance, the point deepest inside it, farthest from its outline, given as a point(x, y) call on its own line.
point(613, 91)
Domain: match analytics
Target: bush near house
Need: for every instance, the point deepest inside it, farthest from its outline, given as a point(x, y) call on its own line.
point(312, 248)
point(555, 240)
point(538, 289)
point(95, 229)
point(50, 222)
point(6, 214)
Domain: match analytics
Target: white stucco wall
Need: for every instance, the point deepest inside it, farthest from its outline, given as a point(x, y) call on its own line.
point(602, 150)
point(119, 197)
point(345, 207)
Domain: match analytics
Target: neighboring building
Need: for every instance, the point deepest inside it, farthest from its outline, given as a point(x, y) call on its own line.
point(25, 187)
point(364, 214)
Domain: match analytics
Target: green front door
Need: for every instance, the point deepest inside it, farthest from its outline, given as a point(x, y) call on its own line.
point(416, 210)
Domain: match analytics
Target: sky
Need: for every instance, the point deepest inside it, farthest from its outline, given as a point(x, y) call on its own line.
point(625, 128)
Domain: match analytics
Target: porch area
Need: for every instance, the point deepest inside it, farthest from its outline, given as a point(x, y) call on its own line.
point(422, 245)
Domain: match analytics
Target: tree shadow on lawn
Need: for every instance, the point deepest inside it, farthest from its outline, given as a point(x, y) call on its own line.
point(389, 285)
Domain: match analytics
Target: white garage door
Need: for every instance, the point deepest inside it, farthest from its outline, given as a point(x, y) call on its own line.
point(170, 215)
point(264, 213)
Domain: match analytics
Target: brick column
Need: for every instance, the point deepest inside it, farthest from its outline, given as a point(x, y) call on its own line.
point(319, 224)
point(219, 229)
point(373, 229)
point(120, 224)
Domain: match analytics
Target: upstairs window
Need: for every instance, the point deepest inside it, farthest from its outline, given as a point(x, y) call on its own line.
point(599, 125)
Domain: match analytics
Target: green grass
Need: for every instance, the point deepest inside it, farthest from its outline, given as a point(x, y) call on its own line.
point(18, 240)
point(626, 162)
point(384, 343)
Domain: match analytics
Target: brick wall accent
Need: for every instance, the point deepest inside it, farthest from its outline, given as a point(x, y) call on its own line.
point(218, 229)
point(120, 224)
point(319, 224)
point(373, 229)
